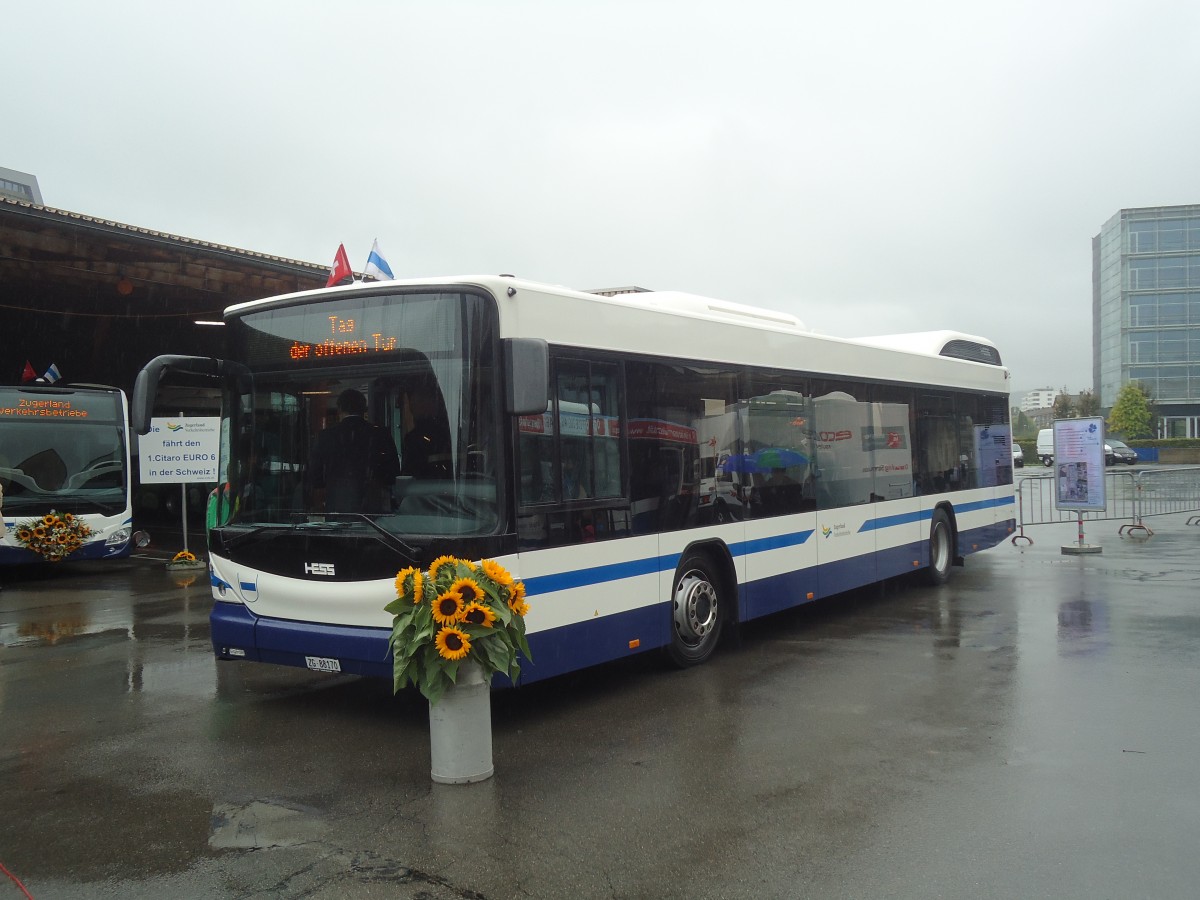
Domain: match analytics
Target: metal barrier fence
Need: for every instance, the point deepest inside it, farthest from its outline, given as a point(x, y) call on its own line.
point(1131, 497)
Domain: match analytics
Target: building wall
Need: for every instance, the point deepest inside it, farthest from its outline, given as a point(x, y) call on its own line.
point(1146, 287)
point(1039, 399)
point(19, 186)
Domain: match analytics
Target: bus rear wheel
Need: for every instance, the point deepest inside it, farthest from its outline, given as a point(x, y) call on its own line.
point(941, 548)
point(695, 612)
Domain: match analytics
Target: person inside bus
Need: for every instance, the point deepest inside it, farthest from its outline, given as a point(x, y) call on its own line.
point(572, 482)
point(781, 493)
point(425, 449)
point(353, 462)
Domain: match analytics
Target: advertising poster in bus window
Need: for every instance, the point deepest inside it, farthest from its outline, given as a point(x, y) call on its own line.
point(993, 450)
point(888, 441)
point(1079, 464)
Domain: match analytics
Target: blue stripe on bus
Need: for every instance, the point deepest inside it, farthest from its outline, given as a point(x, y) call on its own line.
point(976, 505)
point(775, 542)
point(925, 515)
point(546, 584)
point(891, 521)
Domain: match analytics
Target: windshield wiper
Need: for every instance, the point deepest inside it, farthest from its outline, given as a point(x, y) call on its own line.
point(58, 504)
point(405, 549)
point(340, 522)
point(243, 536)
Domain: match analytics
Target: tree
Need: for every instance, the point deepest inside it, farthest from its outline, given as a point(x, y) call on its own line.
point(1089, 404)
point(1131, 414)
point(1021, 425)
point(1063, 407)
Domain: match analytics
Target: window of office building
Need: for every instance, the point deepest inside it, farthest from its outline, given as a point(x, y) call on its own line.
point(1164, 235)
point(1150, 310)
point(1164, 272)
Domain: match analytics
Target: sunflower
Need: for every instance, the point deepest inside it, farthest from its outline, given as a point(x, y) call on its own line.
point(40, 532)
point(68, 518)
point(417, 584)
point(478, 614)
point(24, 535)
point(497, 573)
point(438, 564)
point(448, 608)
point(516, 599)
point(49, 519)
point(468, 589)
point(452, 644)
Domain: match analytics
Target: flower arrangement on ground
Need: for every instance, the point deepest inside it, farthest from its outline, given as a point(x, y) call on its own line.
point(456, 612)
point(54, 537)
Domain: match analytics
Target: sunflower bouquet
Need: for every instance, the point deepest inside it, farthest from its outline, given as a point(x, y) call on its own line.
point(454, 613)
point(53, 537)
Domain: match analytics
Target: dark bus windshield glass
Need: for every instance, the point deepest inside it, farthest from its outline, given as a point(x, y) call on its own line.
point(380, 406)
point(62, 450)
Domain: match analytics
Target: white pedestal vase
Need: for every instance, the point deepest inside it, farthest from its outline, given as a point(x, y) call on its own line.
point(460, 730)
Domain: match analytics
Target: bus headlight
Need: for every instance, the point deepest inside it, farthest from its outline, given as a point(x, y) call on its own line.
point(120, 536)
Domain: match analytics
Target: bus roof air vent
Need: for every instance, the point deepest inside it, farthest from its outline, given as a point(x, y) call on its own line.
point(973, 351)
point(952, 344)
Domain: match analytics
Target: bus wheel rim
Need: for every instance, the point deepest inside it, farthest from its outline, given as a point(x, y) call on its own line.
point(695, 607)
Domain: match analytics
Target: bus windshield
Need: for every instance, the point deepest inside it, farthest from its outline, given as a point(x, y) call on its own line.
point(379, 411)
point(63, 450)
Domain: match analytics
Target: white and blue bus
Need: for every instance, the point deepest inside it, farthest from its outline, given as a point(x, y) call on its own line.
point(655, 467)
point(64, 471)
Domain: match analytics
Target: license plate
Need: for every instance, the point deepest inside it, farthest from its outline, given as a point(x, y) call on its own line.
point(322, 664)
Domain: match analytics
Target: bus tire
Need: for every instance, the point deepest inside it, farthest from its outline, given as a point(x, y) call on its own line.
point(941, 548)
point(696, 612)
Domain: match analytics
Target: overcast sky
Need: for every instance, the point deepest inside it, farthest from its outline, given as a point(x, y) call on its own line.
point(874, 167)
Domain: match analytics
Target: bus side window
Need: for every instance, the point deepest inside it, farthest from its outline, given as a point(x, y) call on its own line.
point(535, 450)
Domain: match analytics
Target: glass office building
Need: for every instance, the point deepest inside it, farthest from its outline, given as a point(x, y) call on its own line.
point(1146, 311)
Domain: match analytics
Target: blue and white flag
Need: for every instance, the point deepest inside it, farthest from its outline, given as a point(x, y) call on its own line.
point(377, 266)
point(52, 374)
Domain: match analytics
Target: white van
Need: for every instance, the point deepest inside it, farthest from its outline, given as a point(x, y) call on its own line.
point(1045, 446)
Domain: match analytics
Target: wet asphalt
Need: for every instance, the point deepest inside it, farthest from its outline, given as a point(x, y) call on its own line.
point(1030, 729)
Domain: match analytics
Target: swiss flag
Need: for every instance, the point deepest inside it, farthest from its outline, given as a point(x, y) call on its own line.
point(29, 374)
point(341, 267)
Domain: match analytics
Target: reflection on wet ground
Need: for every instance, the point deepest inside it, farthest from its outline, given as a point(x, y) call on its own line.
point(1004, 735)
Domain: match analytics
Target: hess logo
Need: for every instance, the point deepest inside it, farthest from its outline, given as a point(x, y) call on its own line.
point(318, 569)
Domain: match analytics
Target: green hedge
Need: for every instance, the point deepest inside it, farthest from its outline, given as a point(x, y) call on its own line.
point(1166, 443)
point(1031, 458)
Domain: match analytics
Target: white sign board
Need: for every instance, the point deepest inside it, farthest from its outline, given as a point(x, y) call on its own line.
point(180, 450)
point(1079, 464)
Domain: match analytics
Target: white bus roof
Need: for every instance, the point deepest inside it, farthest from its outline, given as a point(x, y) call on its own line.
point(693, 327)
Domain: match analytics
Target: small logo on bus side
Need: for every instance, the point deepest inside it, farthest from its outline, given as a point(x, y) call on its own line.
point(318, 568)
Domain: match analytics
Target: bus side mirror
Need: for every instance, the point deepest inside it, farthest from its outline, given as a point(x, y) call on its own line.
point(145, 387)
point(527, 376)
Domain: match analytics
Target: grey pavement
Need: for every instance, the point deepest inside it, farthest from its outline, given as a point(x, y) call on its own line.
point(1028, 730)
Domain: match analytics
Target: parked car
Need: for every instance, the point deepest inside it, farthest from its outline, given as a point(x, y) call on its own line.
point(1018, 456)
point(1045, 446)
point(1119, 452)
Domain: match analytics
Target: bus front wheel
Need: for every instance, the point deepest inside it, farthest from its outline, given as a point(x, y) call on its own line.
point(695, 612)
point(941, 548)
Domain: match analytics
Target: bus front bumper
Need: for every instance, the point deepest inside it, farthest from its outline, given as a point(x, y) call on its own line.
point(240, 635)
